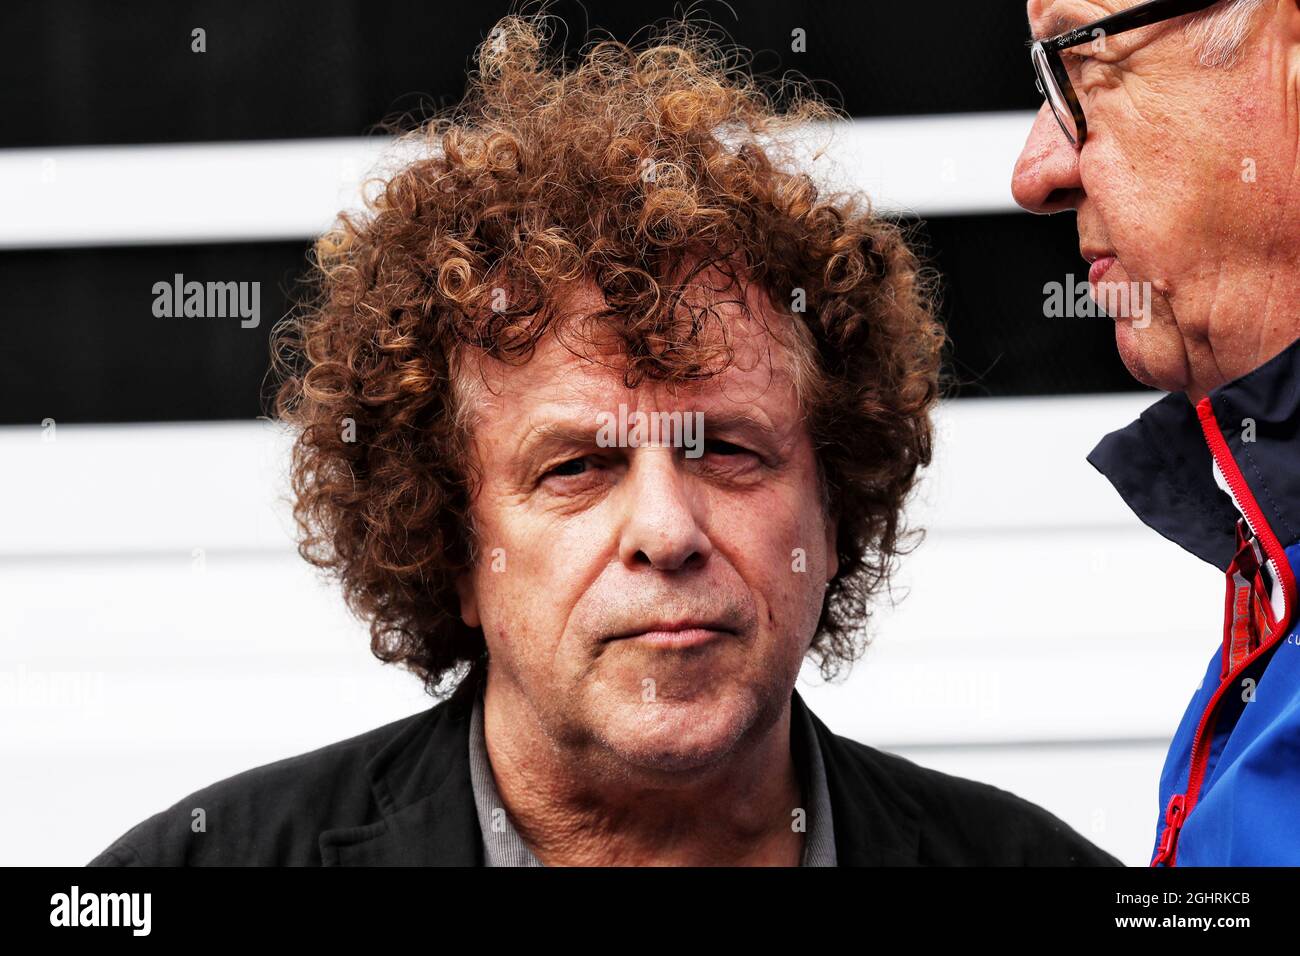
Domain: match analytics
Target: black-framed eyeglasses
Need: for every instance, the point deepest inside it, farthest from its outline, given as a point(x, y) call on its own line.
point(1053, 79)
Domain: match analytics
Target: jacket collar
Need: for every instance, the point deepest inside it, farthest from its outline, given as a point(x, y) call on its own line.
point(1162, 467)
point(876, 822)
point(421, 783)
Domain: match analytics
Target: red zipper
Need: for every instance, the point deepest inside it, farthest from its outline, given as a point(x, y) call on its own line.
point(1182, 804)
point(1173, 823)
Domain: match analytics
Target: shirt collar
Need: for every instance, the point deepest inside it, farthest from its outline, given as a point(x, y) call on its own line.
point(503, 846)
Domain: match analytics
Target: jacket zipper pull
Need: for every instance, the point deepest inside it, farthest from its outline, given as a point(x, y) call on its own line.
point(1173, 823)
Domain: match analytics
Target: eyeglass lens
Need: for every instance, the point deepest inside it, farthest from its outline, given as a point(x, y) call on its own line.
point(1048, 86)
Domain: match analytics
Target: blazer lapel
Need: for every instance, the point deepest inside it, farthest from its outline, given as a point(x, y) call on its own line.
point(876, 824)
point(421, 784)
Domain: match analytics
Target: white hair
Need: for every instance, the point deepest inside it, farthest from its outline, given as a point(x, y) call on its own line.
point(1219, 33)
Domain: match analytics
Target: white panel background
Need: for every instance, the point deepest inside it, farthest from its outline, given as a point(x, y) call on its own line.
point(1047, 642)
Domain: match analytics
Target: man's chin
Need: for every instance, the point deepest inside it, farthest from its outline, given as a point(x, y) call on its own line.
point(1139, 352)
point(674, 734)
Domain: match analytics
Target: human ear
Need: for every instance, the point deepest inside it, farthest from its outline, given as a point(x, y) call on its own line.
point(468, 600)
point(832, 533)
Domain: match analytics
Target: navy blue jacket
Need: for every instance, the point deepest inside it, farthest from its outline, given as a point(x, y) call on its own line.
point(1232, 776)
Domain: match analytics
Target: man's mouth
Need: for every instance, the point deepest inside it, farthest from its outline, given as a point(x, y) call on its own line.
point(1100, 264)
point(679, 633)
point(678, 640)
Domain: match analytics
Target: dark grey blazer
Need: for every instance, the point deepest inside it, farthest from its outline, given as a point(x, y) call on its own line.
point(401, 795)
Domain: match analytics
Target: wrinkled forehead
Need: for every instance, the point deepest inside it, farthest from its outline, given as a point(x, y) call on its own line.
point(760, 357)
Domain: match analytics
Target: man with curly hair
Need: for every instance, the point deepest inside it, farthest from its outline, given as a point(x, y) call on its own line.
point(624, 618)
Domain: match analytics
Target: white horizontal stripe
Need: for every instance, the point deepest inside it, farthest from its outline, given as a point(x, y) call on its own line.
point(292, 189)
point(973, 652)
point(203, 192)
point(945, 165)
point(1000, 464)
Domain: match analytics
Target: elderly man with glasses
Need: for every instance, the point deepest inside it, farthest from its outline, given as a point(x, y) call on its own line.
point(1172, 129)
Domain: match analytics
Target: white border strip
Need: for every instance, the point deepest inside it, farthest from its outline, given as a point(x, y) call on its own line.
point(292, 189)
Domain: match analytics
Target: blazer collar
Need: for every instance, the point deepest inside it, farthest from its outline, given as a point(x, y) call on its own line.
point(876, 822)
point(1161, 465)
point(421, 783)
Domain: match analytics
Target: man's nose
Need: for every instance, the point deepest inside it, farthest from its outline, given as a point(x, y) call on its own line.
point(1046, 177)
point(663, 526)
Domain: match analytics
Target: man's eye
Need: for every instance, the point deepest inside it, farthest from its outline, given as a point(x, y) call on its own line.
point(577, 467)
point(725, 448)
point(1073, 62)
point(567, 469)
point(736, 456)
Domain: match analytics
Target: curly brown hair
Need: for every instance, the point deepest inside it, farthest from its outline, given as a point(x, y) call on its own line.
point(629, 169)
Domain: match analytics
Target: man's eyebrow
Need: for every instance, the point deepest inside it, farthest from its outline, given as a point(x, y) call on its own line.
point(570, 431)
point(563, 432)
point(740, 422)
point(1061, 23)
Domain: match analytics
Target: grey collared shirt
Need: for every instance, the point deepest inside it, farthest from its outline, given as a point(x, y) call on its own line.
point(503, 846)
